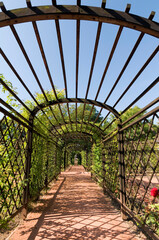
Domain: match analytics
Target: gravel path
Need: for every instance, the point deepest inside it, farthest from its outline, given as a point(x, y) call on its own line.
point(77, 209)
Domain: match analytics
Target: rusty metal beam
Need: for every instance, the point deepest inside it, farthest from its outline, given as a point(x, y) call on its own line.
point(103, 3)
point(58, 31)
point(155, 110)
point(79, 12)
point(28, 3)
point(156, 81)
point(129, 58)
point(109, 61)
point(2, 7)
point(77, 135)
point(138, 74)
point(21, 81)
point(84, 123)
point(92, 65)
point(27, 170)
point(75, 100)
point(14, 95)
point(31, 66)
point(17, 75)
point(46, 67)
point(13, 110)
point(127, 62)
point(38, 38)
point(121, 170)
point(77, 57)
point(131, 118)
point(135, 78)
point(5, 112)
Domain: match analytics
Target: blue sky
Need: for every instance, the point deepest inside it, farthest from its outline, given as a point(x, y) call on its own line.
point(87, 40)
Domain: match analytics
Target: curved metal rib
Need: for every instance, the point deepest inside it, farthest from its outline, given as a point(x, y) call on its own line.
point(79, 12)
point(75, 100)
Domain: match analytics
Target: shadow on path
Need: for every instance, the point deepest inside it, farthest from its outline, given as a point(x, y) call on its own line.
point(78, 210)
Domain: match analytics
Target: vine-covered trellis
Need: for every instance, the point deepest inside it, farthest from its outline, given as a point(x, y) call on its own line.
point(41, 136)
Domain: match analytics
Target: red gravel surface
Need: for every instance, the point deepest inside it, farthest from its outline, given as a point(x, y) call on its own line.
point(76, 209)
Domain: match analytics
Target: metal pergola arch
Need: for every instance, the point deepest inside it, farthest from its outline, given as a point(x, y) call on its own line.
point(75, 100)
point(79, 12)
point(9, 18)
point(58, 12)
point(96, 128)
point(78, 138)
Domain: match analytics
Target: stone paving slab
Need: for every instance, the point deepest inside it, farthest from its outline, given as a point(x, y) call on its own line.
point(78, 210)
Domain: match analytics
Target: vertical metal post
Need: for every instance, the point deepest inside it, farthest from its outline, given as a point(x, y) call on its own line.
point(27, 169)
point(91, 163)
point(121, 170)
point(56, 166)
point(60, 160)
point(87, 159)
point(103, 168)
point(65, 158)
point(47, 166)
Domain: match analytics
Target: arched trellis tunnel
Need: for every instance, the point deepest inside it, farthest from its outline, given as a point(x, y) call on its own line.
point(120, 147)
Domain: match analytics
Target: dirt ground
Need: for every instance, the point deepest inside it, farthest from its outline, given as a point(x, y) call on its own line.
point(75, 208)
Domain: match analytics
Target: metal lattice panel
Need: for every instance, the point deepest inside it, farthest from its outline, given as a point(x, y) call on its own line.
point(111, 166)
point(142, 164)
point(33, 14)
point(13, 138)
point(141, 157)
